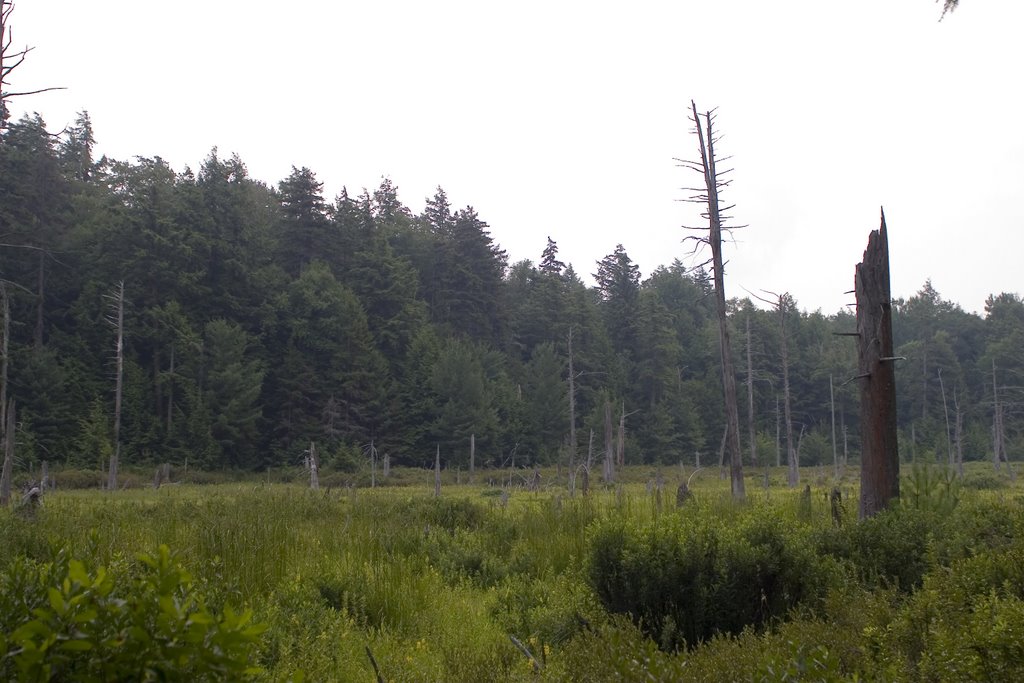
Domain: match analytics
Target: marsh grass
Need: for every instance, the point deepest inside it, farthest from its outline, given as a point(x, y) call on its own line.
point(435, 586)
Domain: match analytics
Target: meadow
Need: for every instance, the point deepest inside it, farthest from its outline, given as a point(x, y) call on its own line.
point(272, 581)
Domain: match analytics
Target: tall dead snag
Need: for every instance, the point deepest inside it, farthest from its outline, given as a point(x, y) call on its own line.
point(117, 319)
point(708, 196)
point(880, 461)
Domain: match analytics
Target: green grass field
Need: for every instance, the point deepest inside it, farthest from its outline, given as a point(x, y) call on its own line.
point(487, 583)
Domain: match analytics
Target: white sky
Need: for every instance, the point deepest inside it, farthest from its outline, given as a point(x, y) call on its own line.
point(563, 118)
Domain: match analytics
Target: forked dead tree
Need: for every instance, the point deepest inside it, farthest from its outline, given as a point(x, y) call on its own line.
point(880, 460)
point(708, 196)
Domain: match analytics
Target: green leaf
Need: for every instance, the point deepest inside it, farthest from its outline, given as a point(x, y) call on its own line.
point(76, 645)
point(77, 573)
point(56, 601)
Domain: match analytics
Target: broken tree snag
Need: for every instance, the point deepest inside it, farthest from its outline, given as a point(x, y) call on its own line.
point(880, 462)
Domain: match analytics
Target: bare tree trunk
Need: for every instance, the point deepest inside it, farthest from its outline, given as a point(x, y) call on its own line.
point(4, 346)
point(437, 472)
point(791, 454)
point(373, 465)
point(846, 452)
point(44, 475)
point(170, 394)
point(620, 448)
point(750, 400)
point(37, 336)
point(880, 461)
point(835, 451)
point(959, 435)
point(997, 421)
point(778, 434)
point(572, 418)
point(609, 444)
point(314, 468)
point(8, 469)
point(945, 411)
point(118, 302)
point(712, 182)
point(472, 455)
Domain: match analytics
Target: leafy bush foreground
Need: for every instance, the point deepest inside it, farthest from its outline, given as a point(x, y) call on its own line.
point(61, 621)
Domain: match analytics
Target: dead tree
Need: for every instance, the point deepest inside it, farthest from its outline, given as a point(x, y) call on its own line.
point(11, 59)
point(958, 437)
point(714, 213)
point(5, 305)
point(609, 444)
point(437, 472)
point(998, 432)
point(116, 318)
point(945, 412)
point(620, 446)
point(832, 404)
point(880, 461)
point(8, 469)
point(314, 468)
point(472, 456)
point(572, 419)
point(781, 303)
point(750, 400)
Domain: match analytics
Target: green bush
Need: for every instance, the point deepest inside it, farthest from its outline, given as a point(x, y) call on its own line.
point(891, 547)
point(684, 582)
point(60, 621)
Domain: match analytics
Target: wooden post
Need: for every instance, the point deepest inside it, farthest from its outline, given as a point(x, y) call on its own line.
point(880, 461)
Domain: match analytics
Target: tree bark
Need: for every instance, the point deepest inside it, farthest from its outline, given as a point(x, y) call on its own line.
point(880, 462)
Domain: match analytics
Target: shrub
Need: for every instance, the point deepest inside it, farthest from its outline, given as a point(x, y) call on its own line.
point(683, 583)
point(890, 547)
point(61, 621)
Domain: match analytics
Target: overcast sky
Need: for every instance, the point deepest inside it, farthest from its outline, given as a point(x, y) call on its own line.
point(564, 119)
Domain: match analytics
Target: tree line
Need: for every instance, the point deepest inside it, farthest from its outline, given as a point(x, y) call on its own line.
point(258, 319)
